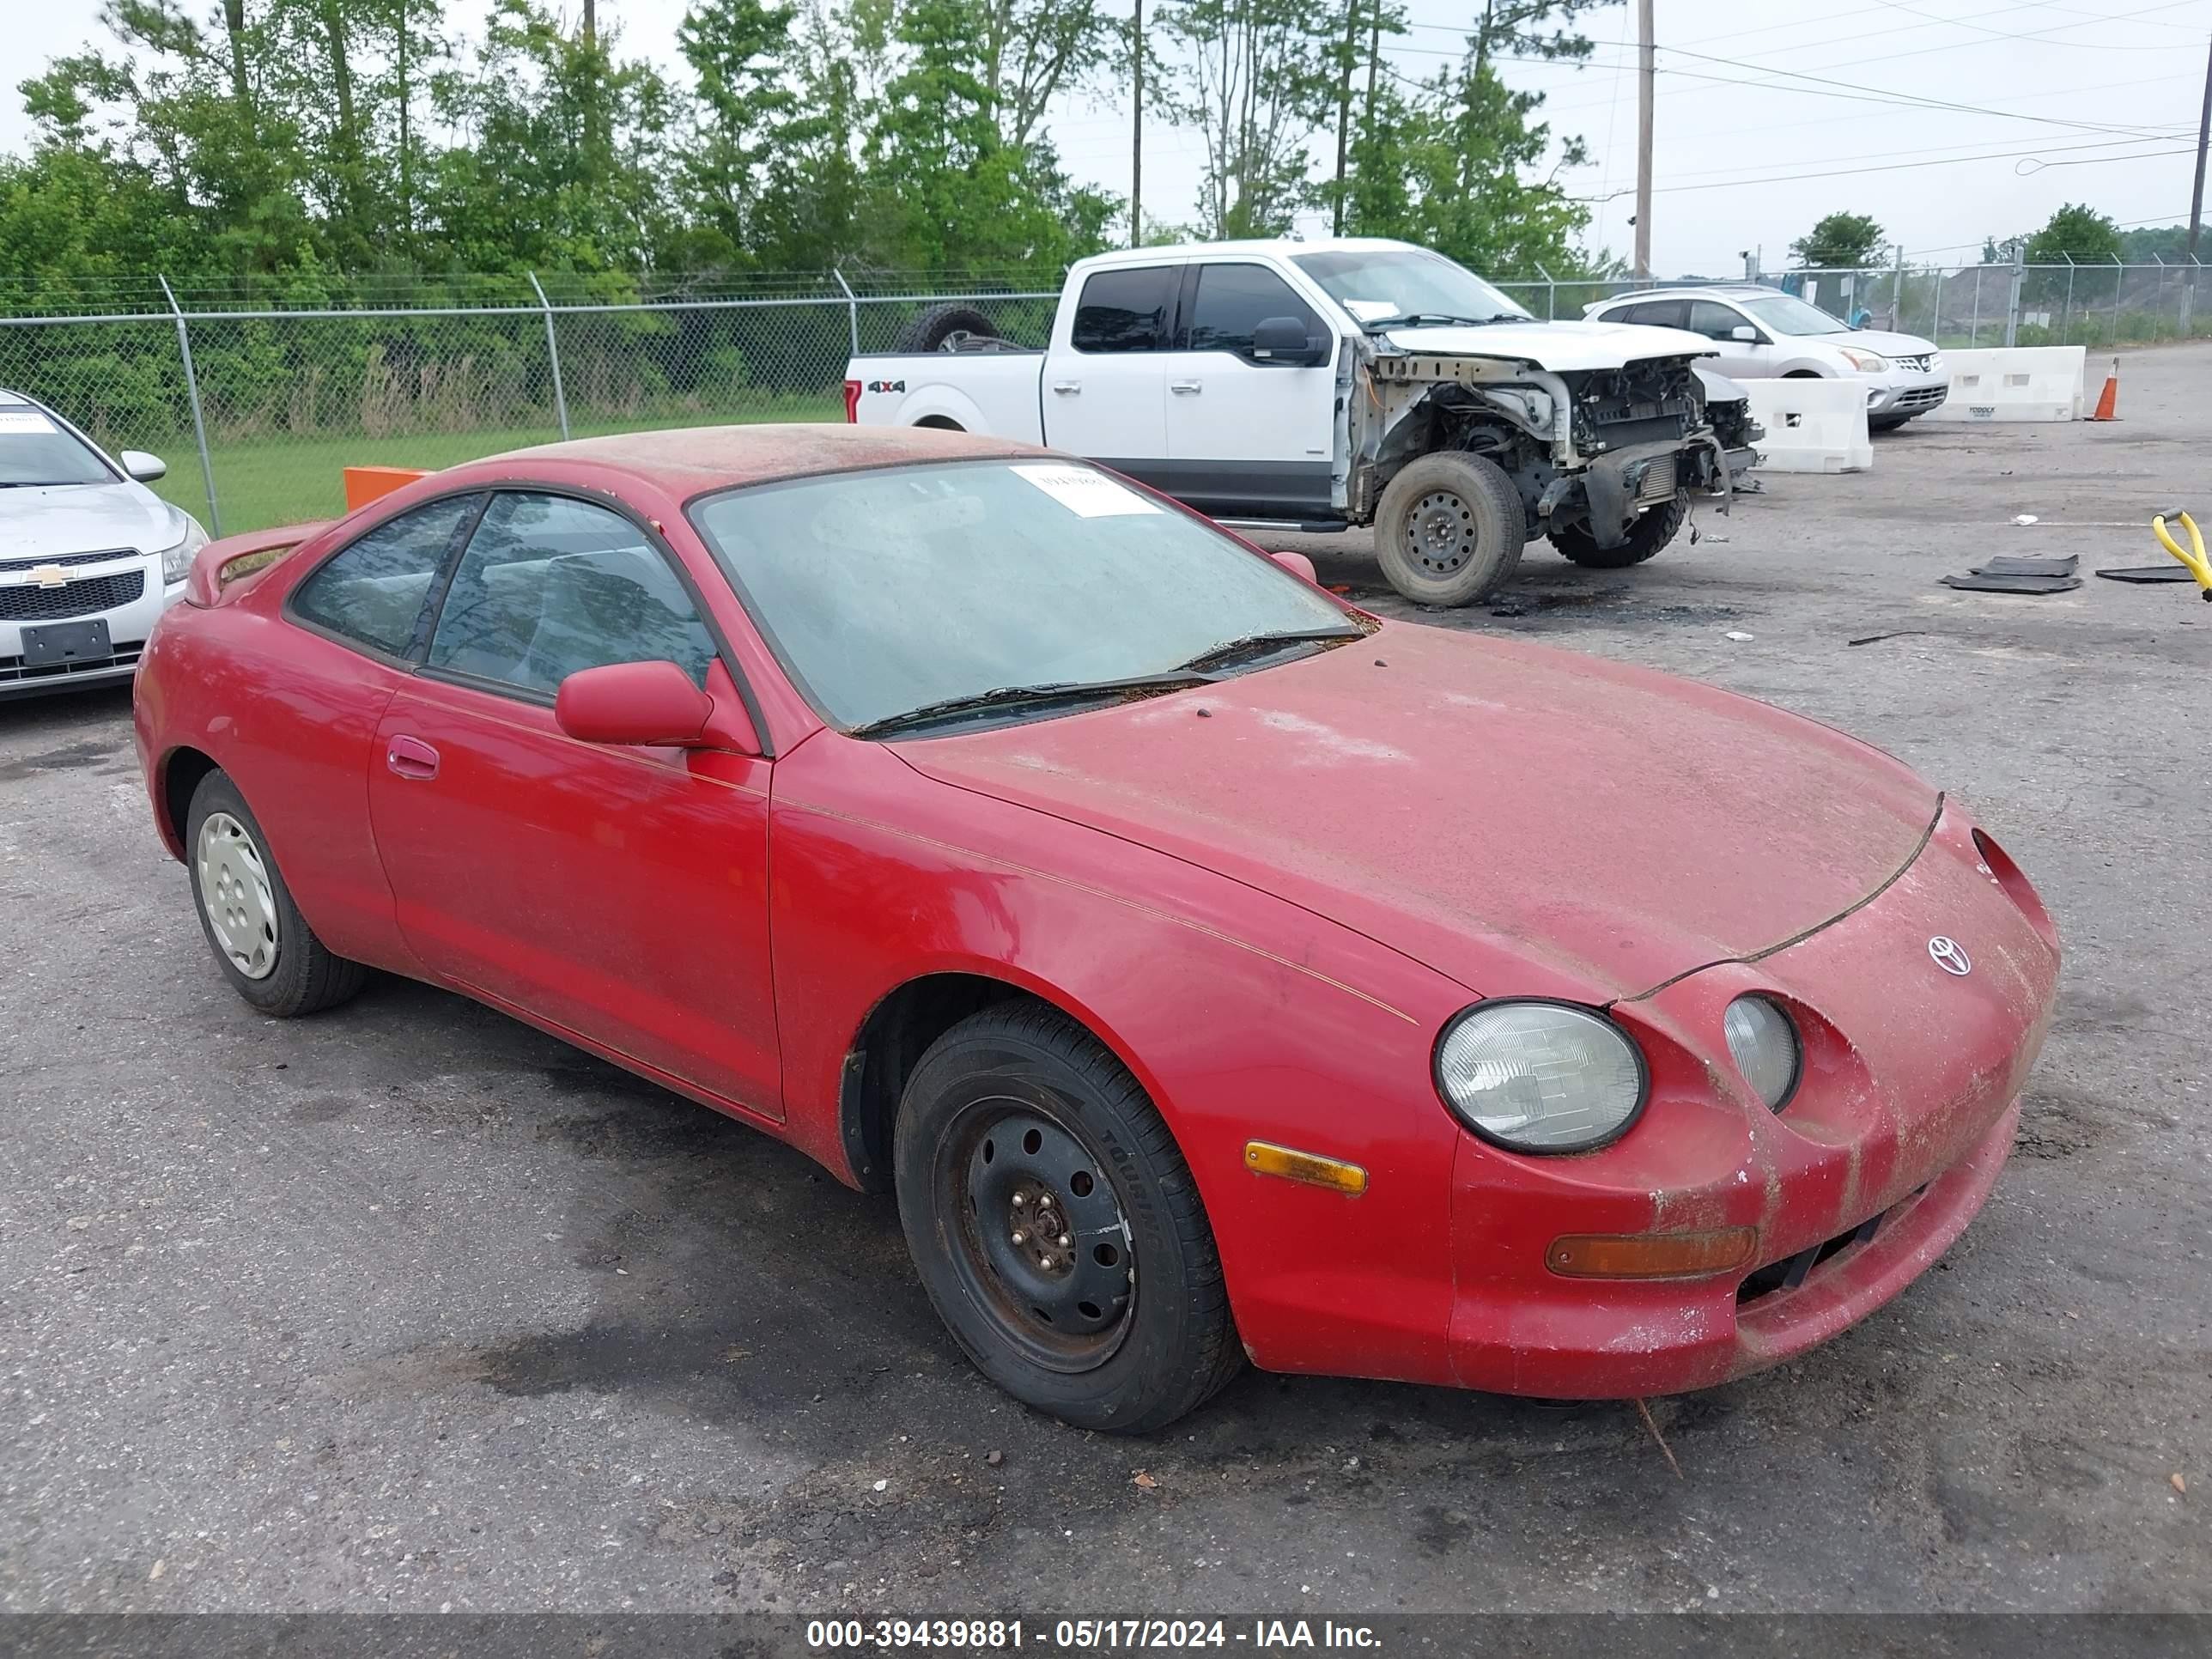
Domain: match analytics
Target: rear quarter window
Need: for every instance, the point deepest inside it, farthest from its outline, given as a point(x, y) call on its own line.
point(373, 593)
point(1125, 310)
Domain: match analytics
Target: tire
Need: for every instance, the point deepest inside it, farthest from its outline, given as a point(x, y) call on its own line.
point(1652, 530)
point(1450, 529)
point(228, 862)
point(933, 329)
point(1019, 1111)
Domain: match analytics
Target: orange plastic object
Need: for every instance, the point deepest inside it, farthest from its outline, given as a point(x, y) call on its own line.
point(364, 484)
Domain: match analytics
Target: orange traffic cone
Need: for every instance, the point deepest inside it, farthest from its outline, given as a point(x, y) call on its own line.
point(2108, 403)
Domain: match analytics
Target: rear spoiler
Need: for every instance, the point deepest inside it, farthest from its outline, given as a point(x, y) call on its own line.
point(220, 564)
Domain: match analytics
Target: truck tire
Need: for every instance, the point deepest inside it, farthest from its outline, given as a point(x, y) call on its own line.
point(1650, 532)
point(941, 327)
point(1450, 529)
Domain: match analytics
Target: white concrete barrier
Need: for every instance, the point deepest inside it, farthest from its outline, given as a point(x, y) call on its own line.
point(1812, 426)
point(2014, 383)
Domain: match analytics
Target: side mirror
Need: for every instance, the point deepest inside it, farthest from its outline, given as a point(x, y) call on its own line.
point(145, 468)
point(652, 705)
point(1744, 333)
point(1297, 564)
point(1283, 340)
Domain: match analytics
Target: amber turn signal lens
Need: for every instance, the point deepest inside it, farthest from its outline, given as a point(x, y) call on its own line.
point(1264, 1157)
point(1651, 1256)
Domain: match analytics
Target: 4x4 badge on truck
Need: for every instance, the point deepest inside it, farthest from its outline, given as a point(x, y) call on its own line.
point(1949, 956)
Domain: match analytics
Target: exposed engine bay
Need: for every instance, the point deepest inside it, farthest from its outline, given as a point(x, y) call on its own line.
point(1589, 451)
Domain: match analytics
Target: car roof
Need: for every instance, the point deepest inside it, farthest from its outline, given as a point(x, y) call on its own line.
point(1694, 291)
point(1272, 246)
point(687, 460)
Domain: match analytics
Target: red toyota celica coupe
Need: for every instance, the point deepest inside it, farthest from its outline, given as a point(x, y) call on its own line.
point(1212, 969)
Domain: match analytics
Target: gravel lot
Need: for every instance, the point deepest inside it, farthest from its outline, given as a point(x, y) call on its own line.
point(409, 1307)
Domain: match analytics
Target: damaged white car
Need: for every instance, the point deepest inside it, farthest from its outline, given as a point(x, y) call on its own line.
point(1328, 384)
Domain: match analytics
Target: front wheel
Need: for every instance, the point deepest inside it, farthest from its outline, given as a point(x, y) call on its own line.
point(1652, 530)
point(1056, 1227)
point(1450, 529)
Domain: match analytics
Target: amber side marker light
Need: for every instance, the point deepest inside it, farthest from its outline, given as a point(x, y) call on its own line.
point(1651, 1256)
point(1264, 1157)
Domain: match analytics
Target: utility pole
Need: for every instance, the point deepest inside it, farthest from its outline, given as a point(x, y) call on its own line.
point(2197, 195)
point(1646, 66)
point(1344, 105)
point(1137, 127)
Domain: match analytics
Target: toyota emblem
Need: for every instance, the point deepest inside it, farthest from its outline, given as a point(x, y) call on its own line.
point(1949, 956)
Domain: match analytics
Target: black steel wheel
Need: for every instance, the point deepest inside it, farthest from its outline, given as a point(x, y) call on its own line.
point(1044, 1247)
point(1056, 1227)
point(1450, 529)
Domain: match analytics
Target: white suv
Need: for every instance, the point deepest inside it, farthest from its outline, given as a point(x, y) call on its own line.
point(88, 555)
point(1761, 333)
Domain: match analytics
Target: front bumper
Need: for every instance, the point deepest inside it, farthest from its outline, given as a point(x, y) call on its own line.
point(1912, 395)
point(129, 626)
point(1905, 1122)
point(1594, 1341)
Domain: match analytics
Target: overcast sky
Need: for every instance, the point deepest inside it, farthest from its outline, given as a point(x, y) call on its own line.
point(2093, 100)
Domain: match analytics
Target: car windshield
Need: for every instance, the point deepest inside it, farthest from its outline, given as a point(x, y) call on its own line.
point(1787, 315)
point(1385, 285)
point(914, 588)
point(36, 449)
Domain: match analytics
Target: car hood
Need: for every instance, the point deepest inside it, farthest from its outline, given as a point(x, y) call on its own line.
point(1520, 818)
point(58, 519)
point(1878, 340)
point(1562, 347)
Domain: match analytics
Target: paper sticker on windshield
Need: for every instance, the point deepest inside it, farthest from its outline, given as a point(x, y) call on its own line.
point(1371, 310)
point(1086, 494)
point(24, 420)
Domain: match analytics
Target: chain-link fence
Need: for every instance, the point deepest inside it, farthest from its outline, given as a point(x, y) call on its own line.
point(259, 401)
point(259, 408)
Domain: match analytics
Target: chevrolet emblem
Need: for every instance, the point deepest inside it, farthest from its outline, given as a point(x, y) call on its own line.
point(48, 575)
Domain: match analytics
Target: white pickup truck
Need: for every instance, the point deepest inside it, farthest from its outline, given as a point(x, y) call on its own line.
point(1331, 384)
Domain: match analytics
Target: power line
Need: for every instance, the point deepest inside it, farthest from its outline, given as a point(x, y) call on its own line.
point(2036, 37)
point(1884, 95)
point(1899, 167)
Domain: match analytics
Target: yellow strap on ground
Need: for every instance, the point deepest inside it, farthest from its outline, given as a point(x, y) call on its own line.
point(2194, 559)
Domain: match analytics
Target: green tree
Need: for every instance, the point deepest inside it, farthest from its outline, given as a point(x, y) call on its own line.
point(1839, 241)
point(569, 161)
point(740, 50)
point(1457, 163)
point(1255, 76)
point(946, 190)
point(2079, 233)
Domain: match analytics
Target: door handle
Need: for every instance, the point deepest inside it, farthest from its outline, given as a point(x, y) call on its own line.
point(411, 757)
point(1066, 388)
point(1186, 386)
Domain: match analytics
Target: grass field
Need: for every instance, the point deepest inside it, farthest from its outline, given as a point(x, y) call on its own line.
point(281, 480)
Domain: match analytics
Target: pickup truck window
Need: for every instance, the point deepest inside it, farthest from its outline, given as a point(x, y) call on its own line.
point(887, 592)
point(1233, 300)
point(1125, 310)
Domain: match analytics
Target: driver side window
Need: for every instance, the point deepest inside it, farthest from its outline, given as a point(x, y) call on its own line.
point(1232, 300)
point(1714, 320)
point(550, 585)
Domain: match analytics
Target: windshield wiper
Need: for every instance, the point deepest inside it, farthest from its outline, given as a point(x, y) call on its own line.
point(1254, 645)
point(1015, 697)
point(1422, 319)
